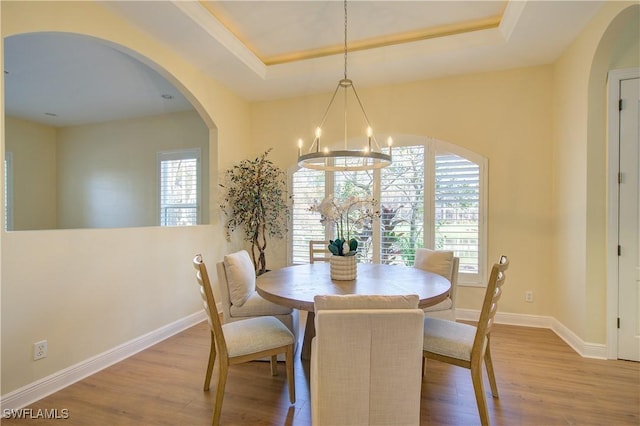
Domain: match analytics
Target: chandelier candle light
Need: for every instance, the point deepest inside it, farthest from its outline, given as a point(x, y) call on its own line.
point(346, 159)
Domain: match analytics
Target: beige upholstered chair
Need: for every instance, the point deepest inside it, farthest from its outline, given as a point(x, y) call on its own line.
point(241, 341)
point(239, 298)
point(468, 346)
point(318, 251)
point(443, 263)
point(365, 360)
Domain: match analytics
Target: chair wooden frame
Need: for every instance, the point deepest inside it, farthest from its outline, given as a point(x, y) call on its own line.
point(481, 349)
point(219, 346)
point(318, 251)
point(291, 320)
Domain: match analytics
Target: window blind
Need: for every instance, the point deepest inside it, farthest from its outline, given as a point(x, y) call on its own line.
point(179, 192)
point(402, 205)
point(358, 184)
point(308, 186)
point(457, 209)
point(431, 195)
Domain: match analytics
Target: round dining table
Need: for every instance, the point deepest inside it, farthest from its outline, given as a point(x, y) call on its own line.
point(296, 286)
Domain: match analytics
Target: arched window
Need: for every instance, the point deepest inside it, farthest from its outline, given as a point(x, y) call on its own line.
point(433, 195)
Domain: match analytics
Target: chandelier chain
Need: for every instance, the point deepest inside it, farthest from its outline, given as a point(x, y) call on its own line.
point(346, 159)
point(345, 39)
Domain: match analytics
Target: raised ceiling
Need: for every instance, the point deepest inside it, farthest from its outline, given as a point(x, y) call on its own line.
point(266, 50)
point(237, 41)
point(318, 26)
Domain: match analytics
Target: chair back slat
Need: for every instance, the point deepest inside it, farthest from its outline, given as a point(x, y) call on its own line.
point(454, 280)
point(209, 304)
point(490, 304)
point(206, 305)
point(318, 251)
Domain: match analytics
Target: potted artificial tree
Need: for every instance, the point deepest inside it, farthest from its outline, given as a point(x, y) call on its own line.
point(254, 199)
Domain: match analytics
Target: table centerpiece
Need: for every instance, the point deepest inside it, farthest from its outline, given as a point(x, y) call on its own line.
point(344, 215)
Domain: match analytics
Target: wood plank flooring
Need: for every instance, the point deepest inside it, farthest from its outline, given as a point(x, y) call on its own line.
point(541, 381)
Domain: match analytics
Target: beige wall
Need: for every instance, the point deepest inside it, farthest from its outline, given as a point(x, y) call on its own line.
point(615, 47)
point(503, 116)
point(88, 291)
point(33, 150)
point(547, 185)
point(96, 176)
point(579, 172)
point(108, 173)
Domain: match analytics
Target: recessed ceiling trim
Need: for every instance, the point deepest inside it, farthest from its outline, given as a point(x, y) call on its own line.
point(356, 45)
point(389, 40)
point(510, 17)
point(202, 16)
point(230, 28)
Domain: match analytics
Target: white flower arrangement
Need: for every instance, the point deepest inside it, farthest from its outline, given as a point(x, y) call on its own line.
point(345, 216)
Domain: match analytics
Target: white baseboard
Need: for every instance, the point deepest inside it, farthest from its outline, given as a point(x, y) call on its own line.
point(46, 386)
point(61, 379)
point(584, 349)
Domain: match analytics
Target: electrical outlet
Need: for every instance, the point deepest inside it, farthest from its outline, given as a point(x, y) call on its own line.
point(528, 296)
point(39, 350)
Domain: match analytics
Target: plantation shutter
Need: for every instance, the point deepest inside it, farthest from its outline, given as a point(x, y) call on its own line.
point(357, 184)
point(432, 195)
point(402, 205)
point(179, 192)
point(457, 209)
point(308, 186)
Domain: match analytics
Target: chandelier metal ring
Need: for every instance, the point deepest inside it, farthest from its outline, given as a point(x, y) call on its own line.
point(345, 159)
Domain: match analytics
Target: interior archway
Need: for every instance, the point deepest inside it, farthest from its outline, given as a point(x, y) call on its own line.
point(85, 121)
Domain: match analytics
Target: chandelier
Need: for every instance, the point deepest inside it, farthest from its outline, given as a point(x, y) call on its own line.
point(370, 157)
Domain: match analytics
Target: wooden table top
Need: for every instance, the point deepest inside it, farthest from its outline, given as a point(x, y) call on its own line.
point(295, 286)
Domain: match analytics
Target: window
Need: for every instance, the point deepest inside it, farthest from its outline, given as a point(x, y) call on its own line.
point(359, 184)
point(402, 205)
point(179, 176)
point(457, 209)
point(431, 196)
point(308, 186)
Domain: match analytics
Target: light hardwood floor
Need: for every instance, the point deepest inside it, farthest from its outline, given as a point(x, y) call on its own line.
point(541, 381)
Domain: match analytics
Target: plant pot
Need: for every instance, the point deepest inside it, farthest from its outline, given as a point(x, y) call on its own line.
point(343, 268)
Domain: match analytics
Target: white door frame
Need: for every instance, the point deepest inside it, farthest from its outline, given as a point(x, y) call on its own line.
point(613, 147)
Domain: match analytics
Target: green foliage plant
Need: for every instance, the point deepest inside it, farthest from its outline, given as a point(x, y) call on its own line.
point(255, 200)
